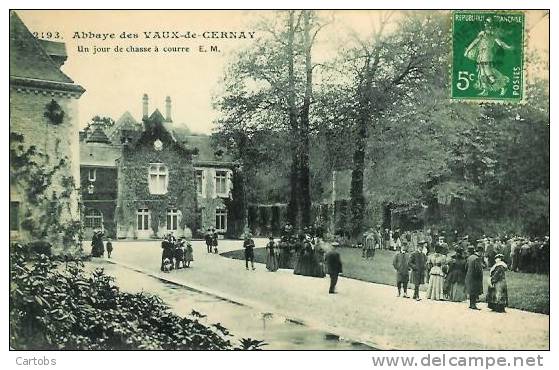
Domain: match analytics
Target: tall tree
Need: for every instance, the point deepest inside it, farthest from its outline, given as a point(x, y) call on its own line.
point(268, 87)
point(388, 69)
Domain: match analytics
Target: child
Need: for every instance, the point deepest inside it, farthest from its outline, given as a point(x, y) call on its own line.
point(109, 247)
point(179, 254)
point(167, 265)
point(188, 254)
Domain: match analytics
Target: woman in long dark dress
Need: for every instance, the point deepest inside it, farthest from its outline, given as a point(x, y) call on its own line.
point(455, 282)
point(304, 265)
point(97, 246)
point(497, 293)
point(284, 254)
point(271, 256)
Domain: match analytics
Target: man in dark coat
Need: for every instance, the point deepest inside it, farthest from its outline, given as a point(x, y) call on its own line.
point(249, 251)
point(208, 238)
point(401, 263)
point(334, 266)
point(474, 275)
point(168, 248)
point(215, 237)
point(418, 260)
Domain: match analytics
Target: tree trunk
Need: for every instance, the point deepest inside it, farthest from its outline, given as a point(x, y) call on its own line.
point(304, 171)
point(356, 192)
point(293, 204)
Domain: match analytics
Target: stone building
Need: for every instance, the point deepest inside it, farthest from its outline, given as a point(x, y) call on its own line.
point(44, 147)
point(157, 178)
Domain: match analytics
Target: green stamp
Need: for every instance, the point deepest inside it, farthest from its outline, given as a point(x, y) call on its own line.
point(487, 56)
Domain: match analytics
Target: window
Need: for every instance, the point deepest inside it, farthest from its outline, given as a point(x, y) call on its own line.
point(158, 178)
point(92, 174)
point(143, 219)
point(93, 219)
point(221, 183)
point(200, 182)
point(221, 219)
point(172, 219)
point(14, 216)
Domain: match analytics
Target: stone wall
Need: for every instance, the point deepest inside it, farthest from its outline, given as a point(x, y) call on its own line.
point(57, 141)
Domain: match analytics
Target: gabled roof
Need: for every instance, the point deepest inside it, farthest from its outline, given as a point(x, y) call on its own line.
point(98, 136)
point(125, 122)
point(156, 116)
point(28, 59)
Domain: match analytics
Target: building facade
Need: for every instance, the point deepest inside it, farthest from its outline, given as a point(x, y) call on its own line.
point(157, 178)
point(44, 147)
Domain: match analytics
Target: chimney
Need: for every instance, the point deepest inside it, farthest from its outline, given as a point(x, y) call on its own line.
point(145, 106)
point(168, 109)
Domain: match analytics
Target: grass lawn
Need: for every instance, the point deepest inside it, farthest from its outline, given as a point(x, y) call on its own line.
point(529, 292)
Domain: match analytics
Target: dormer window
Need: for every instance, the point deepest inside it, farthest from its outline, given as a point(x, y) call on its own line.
point(158, 178)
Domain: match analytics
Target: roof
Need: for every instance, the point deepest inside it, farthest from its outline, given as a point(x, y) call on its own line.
point(207, 154)
point(156, 116)
point(54, 48)
point(99, 154)
point(28, 58)
point(125, 122)
point(98, 136)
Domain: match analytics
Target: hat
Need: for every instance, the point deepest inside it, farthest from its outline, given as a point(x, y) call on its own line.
point(422, 242)
point(500, 256)
point(335, 244)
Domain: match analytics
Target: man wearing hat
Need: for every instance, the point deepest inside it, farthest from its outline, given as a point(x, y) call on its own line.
point(334, 266)
point(417, 264)
point(249, 250)
point(474, 275)
point(208, 238)
point(401, 265)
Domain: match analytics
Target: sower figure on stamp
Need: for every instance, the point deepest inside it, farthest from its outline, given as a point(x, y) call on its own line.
point(474, 276)
point(417, 264)
point(483, 50)
point(334, 266)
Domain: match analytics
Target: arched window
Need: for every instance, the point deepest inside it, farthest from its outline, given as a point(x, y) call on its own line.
point(158, 178)
point(93, 219)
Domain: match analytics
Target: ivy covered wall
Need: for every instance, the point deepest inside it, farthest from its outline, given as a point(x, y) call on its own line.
point(133, 189)
point(44, 169)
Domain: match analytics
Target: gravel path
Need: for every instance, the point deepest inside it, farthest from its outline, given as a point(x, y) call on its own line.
point(366, 312)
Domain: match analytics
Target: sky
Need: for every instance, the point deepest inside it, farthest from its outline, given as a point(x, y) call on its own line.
point(116, 82)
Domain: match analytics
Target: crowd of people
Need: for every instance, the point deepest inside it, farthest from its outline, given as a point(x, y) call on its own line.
point(452, 268)
point(176, 253)
point(450, 276)
point(521, 254)
point(304, 252)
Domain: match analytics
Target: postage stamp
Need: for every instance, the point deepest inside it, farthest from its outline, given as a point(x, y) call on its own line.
point(487, 56)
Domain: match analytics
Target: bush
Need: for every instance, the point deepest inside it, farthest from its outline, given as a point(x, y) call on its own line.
point(52, 307)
